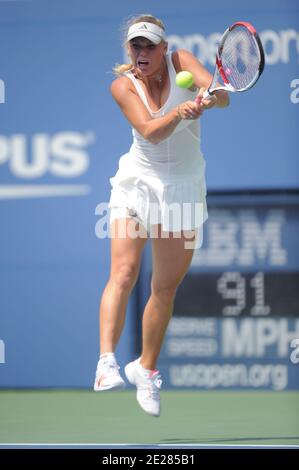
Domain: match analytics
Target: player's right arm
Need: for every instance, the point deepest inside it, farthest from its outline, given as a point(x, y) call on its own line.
point(154, 130)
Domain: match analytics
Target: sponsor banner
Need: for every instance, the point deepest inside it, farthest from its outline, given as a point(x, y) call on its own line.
point(250, 235)
point(238, 294)
point(236, 313)
point(231, 353)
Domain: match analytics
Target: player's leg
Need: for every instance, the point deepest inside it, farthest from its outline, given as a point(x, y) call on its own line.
point(171, 260)
point(125, 264)
point(126, 251)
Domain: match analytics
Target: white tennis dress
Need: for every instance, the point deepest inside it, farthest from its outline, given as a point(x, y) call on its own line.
point(163, 183)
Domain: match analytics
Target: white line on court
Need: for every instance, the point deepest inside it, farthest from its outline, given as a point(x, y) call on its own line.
point(105, 445)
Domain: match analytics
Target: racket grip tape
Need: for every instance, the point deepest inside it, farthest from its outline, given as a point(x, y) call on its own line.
point(206, 96)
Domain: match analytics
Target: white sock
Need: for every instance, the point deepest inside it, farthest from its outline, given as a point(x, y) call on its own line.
point(146, 371)
point(108, 356)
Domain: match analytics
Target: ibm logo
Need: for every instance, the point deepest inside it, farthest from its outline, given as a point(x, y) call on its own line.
point(2, 92)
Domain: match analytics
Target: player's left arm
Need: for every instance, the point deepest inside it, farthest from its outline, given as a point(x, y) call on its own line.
point(185, 60)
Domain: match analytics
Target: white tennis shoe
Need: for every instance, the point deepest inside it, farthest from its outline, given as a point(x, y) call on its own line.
point(148, 385)
point(107, 375)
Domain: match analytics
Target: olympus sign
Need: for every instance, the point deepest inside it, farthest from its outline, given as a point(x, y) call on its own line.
point(62, 155)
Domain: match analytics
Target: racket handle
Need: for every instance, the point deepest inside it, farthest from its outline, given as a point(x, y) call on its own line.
point(206, 96)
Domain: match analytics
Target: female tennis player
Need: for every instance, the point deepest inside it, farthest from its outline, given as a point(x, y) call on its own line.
point(163, 170)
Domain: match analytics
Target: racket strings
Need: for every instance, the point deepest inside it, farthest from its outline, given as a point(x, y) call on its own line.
point(240, 58)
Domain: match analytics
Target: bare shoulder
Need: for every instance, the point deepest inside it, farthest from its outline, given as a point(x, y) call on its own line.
point(183, 59)
point(182, 56)
point(120, 86)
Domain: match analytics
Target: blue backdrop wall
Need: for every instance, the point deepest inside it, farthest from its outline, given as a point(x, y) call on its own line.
point(61, 137)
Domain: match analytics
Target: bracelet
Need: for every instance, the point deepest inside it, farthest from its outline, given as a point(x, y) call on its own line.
point(178, 112)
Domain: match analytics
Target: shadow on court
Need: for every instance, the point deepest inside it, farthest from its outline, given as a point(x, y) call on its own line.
point(228, 439)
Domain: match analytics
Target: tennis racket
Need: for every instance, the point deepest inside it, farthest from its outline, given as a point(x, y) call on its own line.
point(240, 60)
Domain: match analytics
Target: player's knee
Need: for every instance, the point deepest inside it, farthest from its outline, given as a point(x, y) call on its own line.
point(165, 293)
point(125, 276)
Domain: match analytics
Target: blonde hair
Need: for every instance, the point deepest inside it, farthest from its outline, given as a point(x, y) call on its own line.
point(119, 69)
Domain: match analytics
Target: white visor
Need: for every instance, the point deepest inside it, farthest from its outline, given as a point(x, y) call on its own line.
point(150, 31)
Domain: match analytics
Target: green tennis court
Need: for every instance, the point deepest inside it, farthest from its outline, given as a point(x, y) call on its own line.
point(188, 418)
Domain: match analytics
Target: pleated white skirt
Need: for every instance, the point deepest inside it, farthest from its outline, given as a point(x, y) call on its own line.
point(179, 204)
point(176, 206)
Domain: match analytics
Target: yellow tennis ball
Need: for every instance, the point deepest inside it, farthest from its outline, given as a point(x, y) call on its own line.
point(184, 79)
